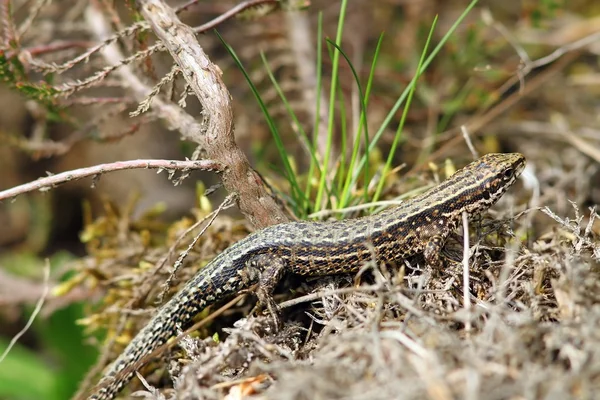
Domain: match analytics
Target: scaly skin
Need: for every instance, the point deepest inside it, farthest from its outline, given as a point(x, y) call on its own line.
point(420, 225)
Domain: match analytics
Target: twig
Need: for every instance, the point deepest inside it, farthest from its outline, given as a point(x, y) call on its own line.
point(32, 13)
point(329, 292)
point(44, 184)
point(177, 241)
point(34, 314)
point(151, 389)
point(527, 64)
point(465, 132)
point(228, 14)
point(183, 255)
point(484, 118)
point(465, 262)
point(8, 30)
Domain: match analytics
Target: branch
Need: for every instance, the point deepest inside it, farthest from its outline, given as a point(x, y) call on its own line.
point(44, 184)
point(216, 139)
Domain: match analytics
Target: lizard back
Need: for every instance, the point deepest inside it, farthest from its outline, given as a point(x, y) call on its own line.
point(324, 248)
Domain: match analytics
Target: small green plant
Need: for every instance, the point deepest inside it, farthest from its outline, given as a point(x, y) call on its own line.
point(338, 184)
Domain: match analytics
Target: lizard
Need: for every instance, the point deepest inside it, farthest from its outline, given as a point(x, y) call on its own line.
point(312, 248)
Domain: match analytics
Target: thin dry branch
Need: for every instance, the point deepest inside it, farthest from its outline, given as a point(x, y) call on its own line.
point(49, 182)
point(239, 8)
point(8, 30)
point(34, 314)
point(179, 263)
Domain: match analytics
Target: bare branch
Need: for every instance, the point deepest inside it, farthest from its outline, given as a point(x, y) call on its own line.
point(32, 14)
point(128, 31)
point(174, 117)
point(229, 14)
point(95, 171)
point(95, 79)
point(217, 138)
point(179, 263)
point(8, 31)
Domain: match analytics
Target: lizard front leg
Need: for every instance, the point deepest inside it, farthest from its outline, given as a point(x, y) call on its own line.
point(434, 259)
point(269, 268)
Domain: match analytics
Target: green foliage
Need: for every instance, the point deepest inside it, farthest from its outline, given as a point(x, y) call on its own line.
point(340, 183)
point(301, 202)
point(349, 179)
point(411, 90)
point(318, 205)
point(60, 359)
point(12, 73)
point(362, 127)
point(25, 376)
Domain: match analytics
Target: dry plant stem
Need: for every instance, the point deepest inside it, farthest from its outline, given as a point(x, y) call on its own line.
point(465, 262)
point(47, 183)
point(239, 178)
point(224, 205)
point(8, 28)
point(329, 292)
point(468, 141)
point(34, 314)
point(529, 65)
point(216, 138)
point(229, 14)
point(173, 116)
point(32, 14)
point(184, 254)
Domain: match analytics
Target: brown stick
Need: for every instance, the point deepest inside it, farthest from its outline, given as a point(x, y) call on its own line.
point(97, 170)
point(216, 138)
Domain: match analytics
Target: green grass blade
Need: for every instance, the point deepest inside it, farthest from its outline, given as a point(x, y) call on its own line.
point(297, 193)
point(340, 164)
point(367, 177)
point(343, 175)
point(404, 94)
point(319, 204)
point(301, 132)
point(412, 86)
point(314, 163)
point(362, 126)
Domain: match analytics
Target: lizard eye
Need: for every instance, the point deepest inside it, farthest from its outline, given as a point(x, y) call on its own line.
point(508, 173)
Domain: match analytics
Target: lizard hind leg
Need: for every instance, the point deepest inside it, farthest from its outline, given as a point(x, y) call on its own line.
point(270, 268)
